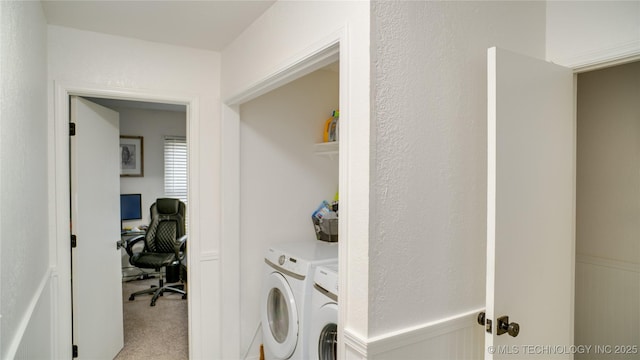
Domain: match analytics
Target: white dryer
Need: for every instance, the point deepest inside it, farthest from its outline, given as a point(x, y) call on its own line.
point(286, 296)
point(323, 333)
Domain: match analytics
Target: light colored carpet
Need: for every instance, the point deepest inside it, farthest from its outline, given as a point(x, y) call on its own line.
point(153, 332)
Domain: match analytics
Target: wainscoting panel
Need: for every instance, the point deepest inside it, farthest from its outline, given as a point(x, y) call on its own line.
point(35, 341)
point(208, 326)
point(607, 306)
point(457, 337)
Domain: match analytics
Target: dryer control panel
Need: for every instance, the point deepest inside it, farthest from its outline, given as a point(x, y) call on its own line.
point(288, 263)
point(326, 276)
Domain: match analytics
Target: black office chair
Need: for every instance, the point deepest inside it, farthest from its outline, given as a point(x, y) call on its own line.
point(164, 247)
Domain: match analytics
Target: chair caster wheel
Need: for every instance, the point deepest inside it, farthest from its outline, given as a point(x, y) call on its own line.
point(131, 298)
point(153, 303)
point(184, 296)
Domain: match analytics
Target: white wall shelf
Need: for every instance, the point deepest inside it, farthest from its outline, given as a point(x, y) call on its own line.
point(329, 149)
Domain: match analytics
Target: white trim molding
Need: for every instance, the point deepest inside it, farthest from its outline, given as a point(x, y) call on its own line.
point(315, 57)
point(614, 55)
point(59, 175)
point(609, 263)
point(355, 344)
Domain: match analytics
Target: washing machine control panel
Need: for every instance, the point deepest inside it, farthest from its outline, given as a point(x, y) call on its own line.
point(287, 262)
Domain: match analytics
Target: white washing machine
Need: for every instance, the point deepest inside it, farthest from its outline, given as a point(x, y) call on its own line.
point(286, 296)
point(323, 333)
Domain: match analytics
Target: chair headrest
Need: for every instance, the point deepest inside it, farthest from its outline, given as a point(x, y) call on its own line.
point(167, 206)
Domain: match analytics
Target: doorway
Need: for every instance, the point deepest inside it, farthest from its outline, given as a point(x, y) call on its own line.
point(61, 189)
point(607, 276)
point(280, 133)
point(317, 58)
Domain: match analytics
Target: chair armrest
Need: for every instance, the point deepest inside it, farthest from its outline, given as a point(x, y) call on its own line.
point(131, 242)
point(181, 247)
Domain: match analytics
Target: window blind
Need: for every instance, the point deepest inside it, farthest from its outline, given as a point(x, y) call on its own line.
point(175, 167)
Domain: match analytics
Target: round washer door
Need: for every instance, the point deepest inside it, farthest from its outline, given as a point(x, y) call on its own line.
point(324, 333)
point(279, 317)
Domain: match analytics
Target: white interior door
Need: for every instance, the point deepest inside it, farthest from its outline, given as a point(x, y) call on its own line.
point(95, 216)
point(530, 207)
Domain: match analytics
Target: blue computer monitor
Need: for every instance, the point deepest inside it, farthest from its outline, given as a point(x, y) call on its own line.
point(130, 207)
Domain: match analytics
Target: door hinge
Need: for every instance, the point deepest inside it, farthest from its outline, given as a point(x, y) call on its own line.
point(72, 129)
point(74, 241)
point(74, 351)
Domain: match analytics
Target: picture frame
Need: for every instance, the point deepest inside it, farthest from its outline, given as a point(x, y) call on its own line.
point(131, 156)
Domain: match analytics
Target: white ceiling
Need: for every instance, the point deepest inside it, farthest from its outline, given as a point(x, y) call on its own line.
point(208, 24)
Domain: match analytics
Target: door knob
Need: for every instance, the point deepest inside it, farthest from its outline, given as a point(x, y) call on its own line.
point(504, 326)
point(481, 320)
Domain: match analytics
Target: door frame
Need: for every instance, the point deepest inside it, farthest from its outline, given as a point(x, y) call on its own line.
point(601, 61)
point(60, 253)
point(610, 59)
point(332, 48)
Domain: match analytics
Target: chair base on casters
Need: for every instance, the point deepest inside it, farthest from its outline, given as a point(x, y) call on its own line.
point(159, 291)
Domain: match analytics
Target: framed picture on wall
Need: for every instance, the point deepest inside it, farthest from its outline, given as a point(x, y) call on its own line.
point(131, 156)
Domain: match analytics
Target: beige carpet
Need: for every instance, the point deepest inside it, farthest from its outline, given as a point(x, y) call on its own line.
point(153, 332)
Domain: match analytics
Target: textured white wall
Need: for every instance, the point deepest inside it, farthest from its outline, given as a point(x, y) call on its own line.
point(153, 125)
point(81, 58)
point(282, 180)
point(584, 31)
point(24, 247)
point(428, 225)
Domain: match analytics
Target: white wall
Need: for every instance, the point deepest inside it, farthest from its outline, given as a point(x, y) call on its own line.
point(25, 305)
point(608, 207)
point(429, 169)
point(608, 163)
point(153, 126)
point(86, 59)
point(582, 32)
point(283, 180)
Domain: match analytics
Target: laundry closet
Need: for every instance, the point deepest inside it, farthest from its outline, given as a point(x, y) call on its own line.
point(285, 173)
point(607, 279)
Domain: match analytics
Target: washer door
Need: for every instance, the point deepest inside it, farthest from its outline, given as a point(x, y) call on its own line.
point(324, 333)
point(279, 317)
